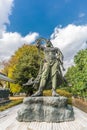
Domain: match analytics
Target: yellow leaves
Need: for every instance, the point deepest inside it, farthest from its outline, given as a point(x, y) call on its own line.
point(15, 88)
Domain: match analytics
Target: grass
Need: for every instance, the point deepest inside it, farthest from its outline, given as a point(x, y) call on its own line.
point(11, 104)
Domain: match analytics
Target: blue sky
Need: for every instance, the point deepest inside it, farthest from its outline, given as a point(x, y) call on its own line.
point(63, 21)
point(43, 16)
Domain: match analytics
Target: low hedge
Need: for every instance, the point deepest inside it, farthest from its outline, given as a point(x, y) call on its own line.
point(61, 92)
point(80, 103)
point(10, 104)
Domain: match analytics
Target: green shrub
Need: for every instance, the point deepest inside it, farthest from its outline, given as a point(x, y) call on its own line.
point(64, 93)
point(61, 93)
point(47, 93)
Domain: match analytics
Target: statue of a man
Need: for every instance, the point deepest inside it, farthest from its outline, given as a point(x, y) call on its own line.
point(51, 69)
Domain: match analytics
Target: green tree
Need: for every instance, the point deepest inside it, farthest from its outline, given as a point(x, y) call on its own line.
point(77, 74)
point(27, 66)
point(23, 65)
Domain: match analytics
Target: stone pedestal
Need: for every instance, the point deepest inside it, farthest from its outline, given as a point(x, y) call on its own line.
point(45, 109)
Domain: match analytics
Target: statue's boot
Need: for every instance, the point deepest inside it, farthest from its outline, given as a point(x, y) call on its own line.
point(54, 93)
point(38, 93)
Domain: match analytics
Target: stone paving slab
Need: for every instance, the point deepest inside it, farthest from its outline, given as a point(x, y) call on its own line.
point(8, 122)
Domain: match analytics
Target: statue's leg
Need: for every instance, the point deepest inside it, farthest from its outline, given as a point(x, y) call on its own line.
point(54, 79)
point(43, 80)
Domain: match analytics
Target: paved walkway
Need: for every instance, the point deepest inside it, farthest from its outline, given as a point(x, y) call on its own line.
point(8, 122)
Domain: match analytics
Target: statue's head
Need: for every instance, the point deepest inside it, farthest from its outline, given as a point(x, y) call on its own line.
point(49, 43)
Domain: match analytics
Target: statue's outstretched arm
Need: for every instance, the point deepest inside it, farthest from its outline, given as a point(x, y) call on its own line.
point(39, 45)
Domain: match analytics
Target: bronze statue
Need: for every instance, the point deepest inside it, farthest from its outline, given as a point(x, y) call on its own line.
point(51, 69)
point(47, 109)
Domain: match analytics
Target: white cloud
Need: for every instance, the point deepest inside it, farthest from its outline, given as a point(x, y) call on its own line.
point(9, 42)
point(70, 40)
point(5, 11)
